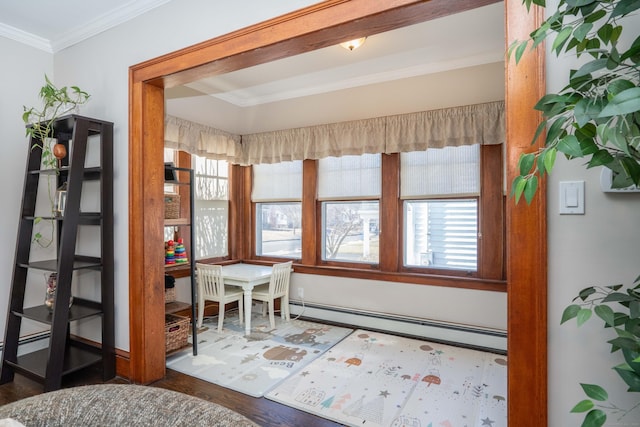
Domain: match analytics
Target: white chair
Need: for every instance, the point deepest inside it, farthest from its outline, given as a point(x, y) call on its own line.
point(211, 288)
point(278, 287)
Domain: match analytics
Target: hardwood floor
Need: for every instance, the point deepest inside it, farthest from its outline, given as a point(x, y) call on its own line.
point(262, 411)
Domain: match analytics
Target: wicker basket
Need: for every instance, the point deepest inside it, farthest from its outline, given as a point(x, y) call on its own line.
point(169, 295)
point(176, 330)
point(171, 206)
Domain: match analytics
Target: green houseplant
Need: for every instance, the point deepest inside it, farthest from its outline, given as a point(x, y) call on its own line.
point(56, 102)
point(596, 117)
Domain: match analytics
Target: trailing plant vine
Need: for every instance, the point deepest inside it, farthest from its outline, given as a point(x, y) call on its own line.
point(56, 102)
point(626, 326)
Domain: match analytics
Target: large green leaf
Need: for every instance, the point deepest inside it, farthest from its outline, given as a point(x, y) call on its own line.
point(570, 146)
point(590, 67)
point(526, 162)
point(579, 3)
point(530, 189)
point(586, 110)
point(632, 51)
point(517, 187)
point(619, 85)
point(624, 7)
point(625, 343)
point(583, 315)
point(632, 359)
point(561, 39)
point(631, 168)
point(595, 16)
point(605, 32)
point(620, 318)
point(601, 158)
point(605, 313)
point(634, 309)
point(549, 159)
point(556, 131)
point(583, 29)
point(595, 418)
point(625, 102)
point(630, 377)
point(595, 392)
point(570, 312)
point(586, 293)
point(617, 297)
point(583, 406)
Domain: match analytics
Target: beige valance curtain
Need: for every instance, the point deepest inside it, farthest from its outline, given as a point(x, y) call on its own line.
point(466, 125)
point(202, 140)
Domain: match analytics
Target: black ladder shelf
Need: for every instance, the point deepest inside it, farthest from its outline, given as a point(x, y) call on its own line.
point(65, 353)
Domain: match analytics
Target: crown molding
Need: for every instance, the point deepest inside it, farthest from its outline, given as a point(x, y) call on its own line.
point(23, 37)
point(84, 31)
point(104, 22)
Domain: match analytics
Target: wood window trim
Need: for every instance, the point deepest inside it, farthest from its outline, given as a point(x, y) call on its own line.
point(490, 274)
point(321, 25)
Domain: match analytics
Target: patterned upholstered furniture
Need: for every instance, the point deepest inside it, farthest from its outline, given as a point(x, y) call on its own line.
point(120, 405)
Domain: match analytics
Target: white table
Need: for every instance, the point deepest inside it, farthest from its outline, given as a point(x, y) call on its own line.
point(246, 276)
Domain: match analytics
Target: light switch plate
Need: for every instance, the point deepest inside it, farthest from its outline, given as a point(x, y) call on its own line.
point(572, 197)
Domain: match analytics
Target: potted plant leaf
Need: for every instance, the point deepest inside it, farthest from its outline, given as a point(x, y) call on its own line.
point(596, 117)
point(56, 102)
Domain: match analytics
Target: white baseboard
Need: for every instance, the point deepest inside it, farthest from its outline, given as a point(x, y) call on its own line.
point(449, 333)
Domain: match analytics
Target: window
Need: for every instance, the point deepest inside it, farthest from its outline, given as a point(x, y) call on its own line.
point(349, 189)
point(417, 215)
point(211, 192)
point(277, 194)
point(440, 189)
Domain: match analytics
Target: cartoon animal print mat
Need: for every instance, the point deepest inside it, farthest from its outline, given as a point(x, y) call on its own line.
point(374, 379)
point(256, 363)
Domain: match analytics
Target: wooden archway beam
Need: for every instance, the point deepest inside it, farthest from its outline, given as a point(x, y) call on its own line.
point(317, 26)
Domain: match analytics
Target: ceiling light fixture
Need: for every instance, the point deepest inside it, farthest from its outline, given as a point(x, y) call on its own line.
point(353, 44)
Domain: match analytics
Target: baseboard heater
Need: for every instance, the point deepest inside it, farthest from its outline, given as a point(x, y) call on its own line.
point(30, 343)
point(485, 339)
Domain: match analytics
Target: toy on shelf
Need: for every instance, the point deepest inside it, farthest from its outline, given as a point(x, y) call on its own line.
point(180, 253)
point(169, 253)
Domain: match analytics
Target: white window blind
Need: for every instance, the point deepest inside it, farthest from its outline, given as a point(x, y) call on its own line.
point(211, 192)
point(449, 171)
point(277, 182)
point(349, 177)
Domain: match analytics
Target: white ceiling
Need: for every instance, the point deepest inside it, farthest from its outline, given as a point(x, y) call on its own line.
point(397, 72)
point(330, 84)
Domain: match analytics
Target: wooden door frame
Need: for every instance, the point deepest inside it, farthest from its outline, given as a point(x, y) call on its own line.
point(317, 26)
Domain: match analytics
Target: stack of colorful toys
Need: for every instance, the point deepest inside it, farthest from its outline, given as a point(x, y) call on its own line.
point(169, 253)
point(180, 253)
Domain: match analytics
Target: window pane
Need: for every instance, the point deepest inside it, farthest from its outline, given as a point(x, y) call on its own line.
point(441, 234)
point(351, 231)
point(440, 171)
point(278, 231)
point(211, 192)
point(277, 181)
point(345, 177)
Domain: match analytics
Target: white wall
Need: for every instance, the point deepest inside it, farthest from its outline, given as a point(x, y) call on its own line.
point(598, 248)
point(21, 81)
